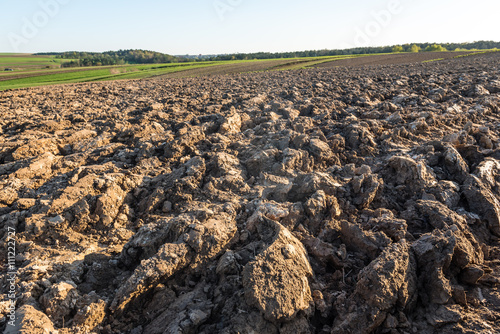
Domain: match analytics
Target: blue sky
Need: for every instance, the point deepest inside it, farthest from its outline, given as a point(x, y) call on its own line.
point(228, 26)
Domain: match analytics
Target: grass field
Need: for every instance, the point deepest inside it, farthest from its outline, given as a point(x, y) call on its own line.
point(23, 62)
point(26, 75)
point(31, 71)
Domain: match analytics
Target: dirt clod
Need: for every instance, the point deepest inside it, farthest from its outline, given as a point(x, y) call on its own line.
point(329, 200)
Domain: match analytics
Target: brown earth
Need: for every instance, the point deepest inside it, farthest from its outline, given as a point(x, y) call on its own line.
point(392, 59)
point(342, 200)
point(251, 66)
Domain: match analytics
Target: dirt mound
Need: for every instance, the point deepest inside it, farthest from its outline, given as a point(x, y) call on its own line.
point(318, 201)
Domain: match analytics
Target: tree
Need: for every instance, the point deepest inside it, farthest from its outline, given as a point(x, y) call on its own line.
point(435, 47)
point(397, 48)
point(415, 48)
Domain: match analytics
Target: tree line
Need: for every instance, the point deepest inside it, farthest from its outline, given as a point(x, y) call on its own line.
point(416, 47)
point(121, 57)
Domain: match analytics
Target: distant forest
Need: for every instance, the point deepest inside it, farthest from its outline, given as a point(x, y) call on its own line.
point(415, 47)
point(121, 57)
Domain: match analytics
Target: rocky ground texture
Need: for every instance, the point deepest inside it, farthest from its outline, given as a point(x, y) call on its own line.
point(343, 200)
